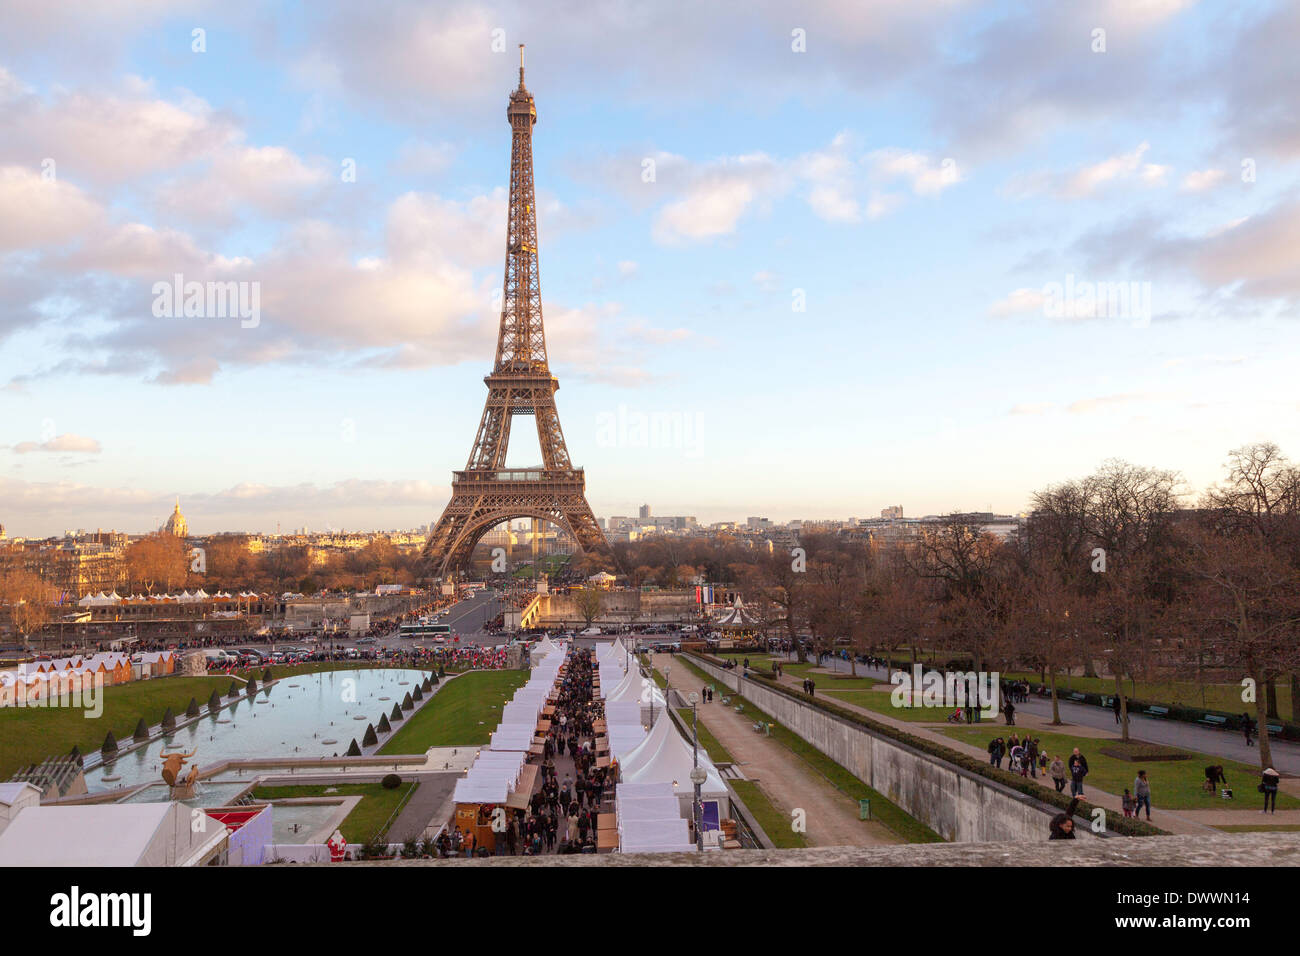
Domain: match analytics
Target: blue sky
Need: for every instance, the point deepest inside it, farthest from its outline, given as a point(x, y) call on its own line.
point(918, 175)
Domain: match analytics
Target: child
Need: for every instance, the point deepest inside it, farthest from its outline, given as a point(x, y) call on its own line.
point(1129, 804)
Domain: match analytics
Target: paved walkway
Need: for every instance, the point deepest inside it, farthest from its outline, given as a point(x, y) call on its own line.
point(787, 780)
point(427, 809)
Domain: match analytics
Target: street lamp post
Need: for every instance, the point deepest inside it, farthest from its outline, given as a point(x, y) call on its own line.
point(698, 773)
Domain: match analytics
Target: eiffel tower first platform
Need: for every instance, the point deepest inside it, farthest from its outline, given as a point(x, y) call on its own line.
point(486, 493)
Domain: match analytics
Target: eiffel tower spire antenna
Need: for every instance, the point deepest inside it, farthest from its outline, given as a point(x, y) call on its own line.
point(485, 494)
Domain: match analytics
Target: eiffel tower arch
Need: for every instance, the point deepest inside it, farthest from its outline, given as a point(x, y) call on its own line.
point(487, 493)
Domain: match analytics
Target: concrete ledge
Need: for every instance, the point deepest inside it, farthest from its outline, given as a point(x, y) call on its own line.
point(1238, 849)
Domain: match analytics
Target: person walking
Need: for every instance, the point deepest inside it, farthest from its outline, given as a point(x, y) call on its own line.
point(1057, 773)
point(1114, 705)
point(1268, 787)
point(1009, 711)
point(1078, 766)
point(1248, 728)
point(1142, 794)
point(997, 750)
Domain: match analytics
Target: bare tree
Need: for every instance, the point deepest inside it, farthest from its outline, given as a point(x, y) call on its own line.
point(1248, 603)
point(27, 597)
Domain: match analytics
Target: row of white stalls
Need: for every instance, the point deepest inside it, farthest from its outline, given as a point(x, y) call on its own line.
point(654, 798)
point(501, 777)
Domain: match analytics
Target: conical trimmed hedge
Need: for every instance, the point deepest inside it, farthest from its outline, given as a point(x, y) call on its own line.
point(371, 738)
point(354, 750)
point(407, 703)
point(266, 676)
point(110, 744)
point(141, 730)
point(76, 755)
point(193, 709)
point(251, 687)
point(234, 690)
point(417, 694)
point(214, 702)
point(169, 721)
point(384, 726)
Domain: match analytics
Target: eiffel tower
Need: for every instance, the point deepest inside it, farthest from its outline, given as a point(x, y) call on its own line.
point(486, 493)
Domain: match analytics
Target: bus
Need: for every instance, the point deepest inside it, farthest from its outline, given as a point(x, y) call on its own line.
point(424, 629)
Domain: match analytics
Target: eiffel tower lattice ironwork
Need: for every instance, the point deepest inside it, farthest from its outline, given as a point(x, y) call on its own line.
point(486, 493)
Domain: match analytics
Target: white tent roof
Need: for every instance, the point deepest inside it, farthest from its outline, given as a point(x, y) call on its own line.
point(665, 757)
point(113, 834)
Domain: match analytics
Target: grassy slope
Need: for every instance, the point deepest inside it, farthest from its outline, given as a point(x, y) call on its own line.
point(30, 734)
point(376, 806)
point(464, 713)
point(1175, 785)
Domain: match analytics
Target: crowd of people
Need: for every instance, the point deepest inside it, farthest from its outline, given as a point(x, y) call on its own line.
point(562, 812)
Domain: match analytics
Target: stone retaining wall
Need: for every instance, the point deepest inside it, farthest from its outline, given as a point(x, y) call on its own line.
point(955, 803)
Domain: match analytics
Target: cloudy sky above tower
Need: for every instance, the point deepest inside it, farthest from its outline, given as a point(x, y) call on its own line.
point(796, 260)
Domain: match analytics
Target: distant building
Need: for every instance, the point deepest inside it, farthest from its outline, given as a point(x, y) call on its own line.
point(176, 524)
point(644, 513)
point(892, 512)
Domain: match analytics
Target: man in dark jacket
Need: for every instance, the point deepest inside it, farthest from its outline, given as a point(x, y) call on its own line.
point(1078, 767)
point(1114, 705)
point(997, 750)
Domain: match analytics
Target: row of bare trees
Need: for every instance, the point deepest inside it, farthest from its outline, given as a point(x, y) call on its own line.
point(1122, 574)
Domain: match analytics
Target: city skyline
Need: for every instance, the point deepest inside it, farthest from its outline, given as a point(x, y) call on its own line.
point(842, 291)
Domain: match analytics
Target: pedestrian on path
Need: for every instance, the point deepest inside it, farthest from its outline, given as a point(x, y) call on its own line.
point(1010, 713)
point(1248, 728)
point(1114, 705)
point(1057, 772)
point(1078, 765)
point(997, 750)
point(1142, 794)
point(1268, 787)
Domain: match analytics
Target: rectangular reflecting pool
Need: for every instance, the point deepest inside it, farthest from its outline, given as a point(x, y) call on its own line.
point(311, 715)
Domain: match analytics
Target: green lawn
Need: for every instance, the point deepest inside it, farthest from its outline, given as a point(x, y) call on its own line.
point(771, 820)
point(363, 823)
point(30, 734)
point(881, 702)
point(1175, 784)
point(1222, 697)
point(717, 753)
point(463, 713)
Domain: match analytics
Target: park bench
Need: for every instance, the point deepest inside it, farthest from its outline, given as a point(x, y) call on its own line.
point(1274, 729)
point(1079, 697)
point(1213, 720)
point(1157, 711)
point(738, 708)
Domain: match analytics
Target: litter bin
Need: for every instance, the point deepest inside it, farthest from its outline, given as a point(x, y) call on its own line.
point(864, 809)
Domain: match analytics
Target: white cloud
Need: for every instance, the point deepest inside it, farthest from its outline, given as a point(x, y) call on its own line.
point(1019, 302)
point(66, 443)
point(1199, 181)
point(718, 195)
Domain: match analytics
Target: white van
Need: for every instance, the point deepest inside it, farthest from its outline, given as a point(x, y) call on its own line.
point(220, 656)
